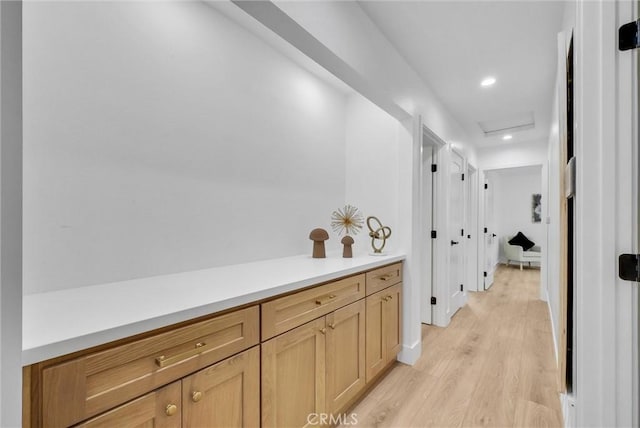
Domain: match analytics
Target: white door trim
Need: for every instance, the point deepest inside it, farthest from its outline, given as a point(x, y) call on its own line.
point(11, 213)
point(440, 276)
point(471, 228)
point(430, 151)
point(604, 166)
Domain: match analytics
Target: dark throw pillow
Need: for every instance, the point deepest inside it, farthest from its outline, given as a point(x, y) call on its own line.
point(523, 241)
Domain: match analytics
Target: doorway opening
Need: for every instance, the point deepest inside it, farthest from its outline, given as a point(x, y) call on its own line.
point(513, 199)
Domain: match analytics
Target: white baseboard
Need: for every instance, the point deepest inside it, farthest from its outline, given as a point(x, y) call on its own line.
point(410, 354)
point(568, 404)
point(553, 326)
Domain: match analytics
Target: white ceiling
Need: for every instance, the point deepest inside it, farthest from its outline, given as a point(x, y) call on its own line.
point(453, 45)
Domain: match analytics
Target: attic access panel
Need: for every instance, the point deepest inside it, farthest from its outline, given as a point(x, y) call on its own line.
point(513, 123)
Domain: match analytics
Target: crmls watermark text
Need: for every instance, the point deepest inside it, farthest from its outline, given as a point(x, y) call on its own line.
point(331, 419)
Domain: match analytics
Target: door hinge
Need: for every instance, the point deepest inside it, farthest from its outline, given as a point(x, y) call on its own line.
point(485, 274)
point(434, 167)
point(629, 267)
point(434, 234)
point(485, 230)
point(463, 177)
point(486, 186)
point(629, 36)
point(461, 287)
point(433, 300)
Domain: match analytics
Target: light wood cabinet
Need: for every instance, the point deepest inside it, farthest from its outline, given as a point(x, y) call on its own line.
point(158, 409)
point(82, 387)
point(77, 389)
point(320, 348)
point(316, 368)
point(293, 376)
point(345, 355)
point(383, 329)
point(224, 395)
point(284, 313)
point(381, 278)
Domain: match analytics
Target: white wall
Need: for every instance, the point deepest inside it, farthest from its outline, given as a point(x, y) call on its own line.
point(513, 188)
point(346, 30)
point(372, 167)
point(167, 139)
point(513, 155)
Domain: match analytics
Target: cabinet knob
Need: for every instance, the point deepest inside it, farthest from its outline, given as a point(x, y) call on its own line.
point(333, 326)
point(171, 409)
point(196, 396)
point(323, 330)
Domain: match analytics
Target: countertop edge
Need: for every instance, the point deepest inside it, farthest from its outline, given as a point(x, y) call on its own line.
point(55, 349)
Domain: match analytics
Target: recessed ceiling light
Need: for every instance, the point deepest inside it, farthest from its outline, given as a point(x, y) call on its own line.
point(507, 137)
point(488, 81)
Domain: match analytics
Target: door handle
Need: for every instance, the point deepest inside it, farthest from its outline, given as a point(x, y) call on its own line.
point(454, 242)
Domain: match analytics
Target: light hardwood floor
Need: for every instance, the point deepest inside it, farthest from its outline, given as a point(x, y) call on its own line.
point(493, 366)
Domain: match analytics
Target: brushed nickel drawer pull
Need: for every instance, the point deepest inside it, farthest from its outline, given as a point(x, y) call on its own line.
point(163, 361)
point(325, 299)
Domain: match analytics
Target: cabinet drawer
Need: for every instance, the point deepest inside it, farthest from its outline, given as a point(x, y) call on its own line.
point(383, 277)
point(83, 387)
point(288, 312)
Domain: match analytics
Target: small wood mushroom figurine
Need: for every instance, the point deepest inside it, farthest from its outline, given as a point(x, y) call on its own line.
point(347, 252)
point(318, 236)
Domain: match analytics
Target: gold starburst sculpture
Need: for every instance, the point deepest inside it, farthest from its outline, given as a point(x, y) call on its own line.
point(347, 220)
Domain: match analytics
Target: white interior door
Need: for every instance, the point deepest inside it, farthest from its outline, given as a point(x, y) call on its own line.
point(428, 217)
point(456, 237)
point(490, 244)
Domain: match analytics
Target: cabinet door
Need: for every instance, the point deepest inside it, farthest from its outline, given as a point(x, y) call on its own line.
point(158, 409)
point(375, 341)
point(392, 321)
point(293, 376)
point(345, 355)
point(226, 394)
point(384, 329)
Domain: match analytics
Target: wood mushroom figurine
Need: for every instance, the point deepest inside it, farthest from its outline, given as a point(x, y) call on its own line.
point(347, 252)
point(318, 236)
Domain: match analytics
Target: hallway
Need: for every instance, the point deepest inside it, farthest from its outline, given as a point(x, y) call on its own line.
point(493, 366)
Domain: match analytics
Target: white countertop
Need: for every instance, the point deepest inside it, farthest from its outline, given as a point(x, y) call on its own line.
point(65, 321)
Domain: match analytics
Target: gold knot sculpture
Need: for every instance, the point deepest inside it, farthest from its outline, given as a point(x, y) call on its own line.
point(380, 233)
